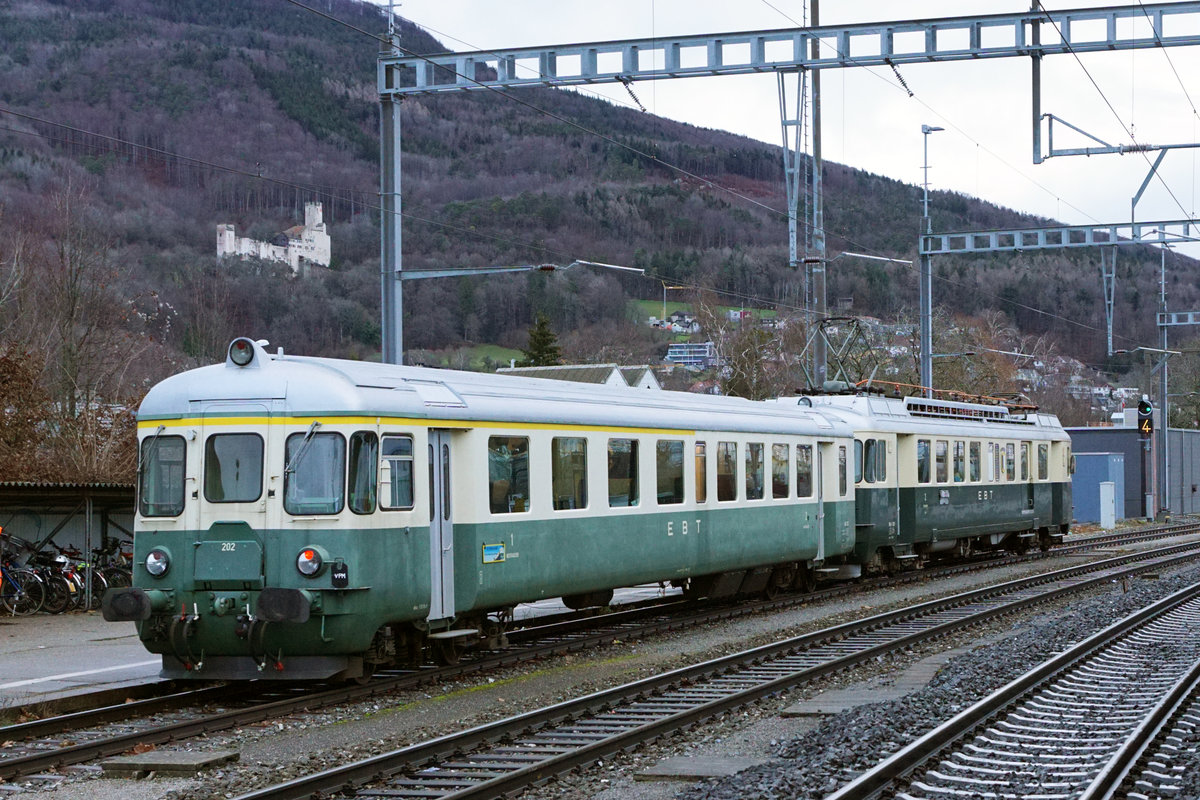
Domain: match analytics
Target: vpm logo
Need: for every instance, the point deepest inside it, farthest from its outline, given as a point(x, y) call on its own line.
point(1145, 417)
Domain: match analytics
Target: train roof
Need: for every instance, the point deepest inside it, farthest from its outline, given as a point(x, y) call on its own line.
point(306, 386)
point(920, 414)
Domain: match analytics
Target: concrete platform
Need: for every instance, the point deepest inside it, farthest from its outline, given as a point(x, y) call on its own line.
point(695, 768)
point(50, 657)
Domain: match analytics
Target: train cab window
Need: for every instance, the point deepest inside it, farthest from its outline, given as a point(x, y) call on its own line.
point(364, 460)
point(314, 480)
point(568, 472)
point(881, 460)
point(960, 462)
point(869, 457)
point(396, 473)
point(233, 467)
point(804, 483)
point(858, 461)
point(1024, 461)
point(939, 460)
point(668, 459)
point(1043, 462)
point(162, 476)
point(780, 471)
point(726, 471)
point(1010, 461)
point(622, 472)
point(508, 474)
point(974, 460)
point(923, 461)
point(701, 472)
point(843, 486)
point(755, 469)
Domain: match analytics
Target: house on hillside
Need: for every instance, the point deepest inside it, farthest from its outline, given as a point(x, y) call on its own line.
point(639, 377)
point(300, 246)
point(699, 355)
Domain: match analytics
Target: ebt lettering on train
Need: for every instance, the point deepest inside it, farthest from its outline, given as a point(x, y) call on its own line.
point(683, 527)
point(987, 494)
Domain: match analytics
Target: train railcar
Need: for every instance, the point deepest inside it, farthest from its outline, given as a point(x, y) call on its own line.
point(305, 518)
point(935, 477)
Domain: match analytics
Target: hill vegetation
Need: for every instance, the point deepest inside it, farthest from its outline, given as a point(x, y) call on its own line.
point(129, 129)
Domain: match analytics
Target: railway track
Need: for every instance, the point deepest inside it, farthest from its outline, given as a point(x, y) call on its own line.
point(37, 746)
point(1076, 726)
point(508, 756)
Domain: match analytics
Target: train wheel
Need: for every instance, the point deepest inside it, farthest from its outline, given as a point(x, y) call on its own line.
point(368, 672)
point(806, 580)
point(448, 652)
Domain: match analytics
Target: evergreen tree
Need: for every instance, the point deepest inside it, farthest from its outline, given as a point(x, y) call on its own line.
point(543, 349)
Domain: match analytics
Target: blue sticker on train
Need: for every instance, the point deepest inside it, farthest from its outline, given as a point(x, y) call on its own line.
point(493, 553)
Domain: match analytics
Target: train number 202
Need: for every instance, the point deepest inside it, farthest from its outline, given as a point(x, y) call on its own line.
point(228, 547)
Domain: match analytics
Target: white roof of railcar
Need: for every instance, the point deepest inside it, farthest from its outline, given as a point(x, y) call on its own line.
point(303, 386)
point(935, 417)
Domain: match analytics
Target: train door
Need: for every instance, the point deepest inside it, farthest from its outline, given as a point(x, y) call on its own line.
point(819, 483)
point(1028, 474)
point(441, 528)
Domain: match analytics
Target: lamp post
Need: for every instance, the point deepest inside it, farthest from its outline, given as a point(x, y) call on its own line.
point(926, 280)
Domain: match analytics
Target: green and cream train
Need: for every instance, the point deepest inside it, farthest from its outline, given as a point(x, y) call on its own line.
point(304, 518)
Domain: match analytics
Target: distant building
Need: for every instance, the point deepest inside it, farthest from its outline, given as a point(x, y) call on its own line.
point(701, 355)
point(639, 377)
point(299, 246)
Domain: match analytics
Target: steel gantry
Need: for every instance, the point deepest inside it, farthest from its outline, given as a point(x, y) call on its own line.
point(1034, 34)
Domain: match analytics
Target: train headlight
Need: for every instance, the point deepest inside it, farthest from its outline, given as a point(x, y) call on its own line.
point(158, 561)
point(241, 351)
point(309, 562)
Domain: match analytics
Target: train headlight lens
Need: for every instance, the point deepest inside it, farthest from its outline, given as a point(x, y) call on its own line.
point(158, 562)
point(241, 352)
point(309, 562)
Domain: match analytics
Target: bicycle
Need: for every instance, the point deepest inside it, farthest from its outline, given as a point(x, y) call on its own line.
point(21, 591)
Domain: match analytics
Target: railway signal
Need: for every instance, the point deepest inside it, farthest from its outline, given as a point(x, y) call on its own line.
point(1145, 418)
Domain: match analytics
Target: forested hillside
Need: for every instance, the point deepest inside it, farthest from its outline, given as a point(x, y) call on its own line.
point(129, 129)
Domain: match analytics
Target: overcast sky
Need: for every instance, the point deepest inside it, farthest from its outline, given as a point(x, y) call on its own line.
point(872, 124)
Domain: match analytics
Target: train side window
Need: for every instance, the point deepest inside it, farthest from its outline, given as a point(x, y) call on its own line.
point(881, 460)
point(701, 472)
point(314, 481)
point(233, 467)
point(508, 474)
point(858, 461)
point(975, 460)
point(364, 460)
point(1024, 461)
point(780, 469)
point(1010, 461)
point(568, 472)
point(922, 461)
point(622, 472)
point(960, 461)
point(726, 471)
point(939, 460)
point(868, 460)
point(754, 471)
point(1043, 462)
point(396, 473)
point(162, 476)
point(843, 488)
point(668, 456)
point(804, 455)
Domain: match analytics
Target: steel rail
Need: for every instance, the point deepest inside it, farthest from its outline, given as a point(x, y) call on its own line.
point(884, 775)
point(379, 768)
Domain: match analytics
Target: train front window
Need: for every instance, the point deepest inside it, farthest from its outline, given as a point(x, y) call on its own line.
point(508, 474)
point(622, 472)
point(233, 468)
point(314, 480)
point(754, 471)
point(568, 472)
point(922, 461)
point(396, 478)
point(364, 460)
point(162, 475)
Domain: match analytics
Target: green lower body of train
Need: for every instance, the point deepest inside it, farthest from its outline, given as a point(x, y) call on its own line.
point(232, 604)
point(903, 527)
